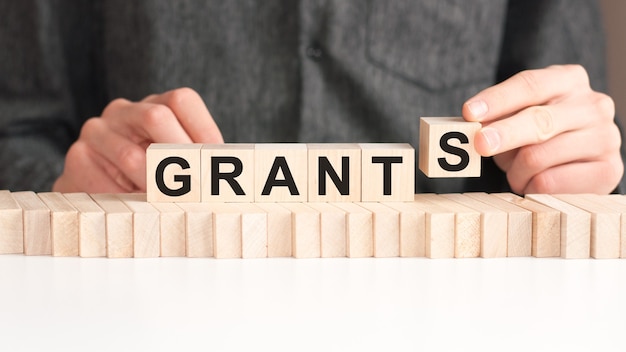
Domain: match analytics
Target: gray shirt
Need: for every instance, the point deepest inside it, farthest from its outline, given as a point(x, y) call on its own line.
point(274, 70)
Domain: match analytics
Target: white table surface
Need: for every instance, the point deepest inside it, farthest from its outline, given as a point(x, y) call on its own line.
point(182, 304)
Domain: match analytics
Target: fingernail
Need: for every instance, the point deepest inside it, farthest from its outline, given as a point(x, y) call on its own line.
point(478, 108)
point(492, 138)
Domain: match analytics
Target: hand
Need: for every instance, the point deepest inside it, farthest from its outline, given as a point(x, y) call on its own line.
point(110, 153)
point(549, 131)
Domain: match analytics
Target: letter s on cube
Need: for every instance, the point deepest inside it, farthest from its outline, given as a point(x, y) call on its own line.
point(173, 173)
point(446, 147)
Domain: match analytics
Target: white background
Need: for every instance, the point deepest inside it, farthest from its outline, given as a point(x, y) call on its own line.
point(396, 304)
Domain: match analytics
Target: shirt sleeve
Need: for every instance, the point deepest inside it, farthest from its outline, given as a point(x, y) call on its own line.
point(44, 83)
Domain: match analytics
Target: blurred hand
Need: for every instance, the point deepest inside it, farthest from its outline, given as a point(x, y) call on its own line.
point(110, 154)
point(549, 131)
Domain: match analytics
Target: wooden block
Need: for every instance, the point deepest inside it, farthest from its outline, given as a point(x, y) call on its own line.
point(546, 236)
point(63, 224)
point(119, 225)
point(173, 173)
point(198, 229)
point(493, 225)
point(412, 229)
point(605, 225)
point(37, 238)
point(519, 224)
point(227, 172)
point(332, 230)
point(278, 229)
point(447, 147)
point(172, 229)
point(253, 230)
point(386, 229)
point(387, 172)
point(146, 225)
point(91, 225)
point(619, 202)
point(575, 226)
point(280, 172)
point(226, 231)
point(334, 172)
point(440, 227)
point(359, 230)
point(305, 222)
point(11, 225)
point(466, 225)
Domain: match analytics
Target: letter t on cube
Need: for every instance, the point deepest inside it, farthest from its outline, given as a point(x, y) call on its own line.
point(447, 147)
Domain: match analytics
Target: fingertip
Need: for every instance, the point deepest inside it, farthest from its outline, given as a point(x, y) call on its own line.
point(487, 141)
point(475, 110)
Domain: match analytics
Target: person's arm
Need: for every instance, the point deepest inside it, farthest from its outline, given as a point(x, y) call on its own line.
point(547, 128)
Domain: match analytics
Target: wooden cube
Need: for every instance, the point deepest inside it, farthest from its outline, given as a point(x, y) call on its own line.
point(173, 173)
point(446, 147)
point(280, 172)
point(334, 172)
point(227, 172)
point(388, 172)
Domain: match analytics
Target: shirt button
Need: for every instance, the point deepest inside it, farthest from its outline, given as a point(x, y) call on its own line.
point(314, 52)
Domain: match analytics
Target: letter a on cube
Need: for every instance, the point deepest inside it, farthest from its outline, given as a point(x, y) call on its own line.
point(447, 147)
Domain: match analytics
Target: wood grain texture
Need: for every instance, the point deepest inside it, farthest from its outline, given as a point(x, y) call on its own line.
point(412, 229)
point(155, 154)
point(253, 230)
point(440, 227)
point(198, 229)
point(172, 229)
point(295, 159)
point(63, 224)
point(119, 225)
point(91, 225)
point(359, 230)
point(618, 201)
point(332, 230)
point(36, 215)
point(432, 129)
point(386, 229)
point(605, 225)
point(401, 173)
point(519, 224)
point(146, 225)
point(278, 229)
point(12, 225)
point(575, 226)
point(224, 192)
point(334, 153)
point(546, 230)
point(226, 230)
point(466, 227)
point(306, 227)
point(493, 225)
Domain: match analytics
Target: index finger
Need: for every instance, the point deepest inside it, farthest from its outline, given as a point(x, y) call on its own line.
point(525, 89)
point(192, 113)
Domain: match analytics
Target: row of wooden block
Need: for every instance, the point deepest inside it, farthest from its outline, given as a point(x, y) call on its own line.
point(283, 172)
point(435, 226)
